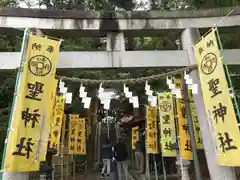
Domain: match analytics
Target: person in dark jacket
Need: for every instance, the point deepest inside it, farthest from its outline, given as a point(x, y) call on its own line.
point(121, 157)
point(106, 157)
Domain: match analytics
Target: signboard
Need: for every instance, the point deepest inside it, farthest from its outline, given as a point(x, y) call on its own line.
point(167, 124)
point(48, 122)
point(135, 135)
point(29, 115)
point(151, 130)
point(185, 141)
point(196, 126)
point(56, 126)
point(77, 135)
point(217, 100)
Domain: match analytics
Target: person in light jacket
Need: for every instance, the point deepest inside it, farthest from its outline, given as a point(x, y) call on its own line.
point(106, 157)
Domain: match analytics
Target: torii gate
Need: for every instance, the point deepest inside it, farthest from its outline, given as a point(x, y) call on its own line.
point(114, 26)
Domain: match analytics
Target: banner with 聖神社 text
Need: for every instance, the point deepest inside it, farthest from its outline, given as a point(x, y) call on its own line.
point(135, 136)
point(151, 130)
point(77, 135)
point(217, 101)
point(30, 113)
point(167, 124)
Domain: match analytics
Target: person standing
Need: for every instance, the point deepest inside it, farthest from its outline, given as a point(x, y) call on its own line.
point(121, 155)
point(106, 157)
point(139, 157)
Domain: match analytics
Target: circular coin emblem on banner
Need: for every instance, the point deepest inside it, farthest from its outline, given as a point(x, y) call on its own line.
point(165, 106)
point(40, 65)
point(209, 63)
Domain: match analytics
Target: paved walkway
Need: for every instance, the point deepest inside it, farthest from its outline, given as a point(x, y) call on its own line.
point(91, 176)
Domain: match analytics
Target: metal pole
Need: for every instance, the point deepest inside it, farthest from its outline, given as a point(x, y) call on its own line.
point(217, 172)
point(155, 168)
point(96, 142)
point(99, 142)
point(53, 172)
point(62, 168)
point(74, 167)
point(108, 127)
point(66, 174)
point(183, 164)
point(160, 146)
point(147, 173)
point(191, 130)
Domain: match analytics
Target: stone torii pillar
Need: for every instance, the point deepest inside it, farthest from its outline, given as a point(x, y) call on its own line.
point(217, 172)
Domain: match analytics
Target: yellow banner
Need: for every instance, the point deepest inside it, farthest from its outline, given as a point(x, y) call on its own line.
point(48, 122)
point(81, 137)
point(77, 135)
point(72, 135)
point(197, 133)
point(56, 126)
point(217, 100)
point(30, 110)
point(185, 141)
point(167, 124)
point(135, 134)
point(151, 124)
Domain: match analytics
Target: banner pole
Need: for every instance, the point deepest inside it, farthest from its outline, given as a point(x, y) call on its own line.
point(6, 175)
point(147, 171)
point(160, 144)
point(191, 130)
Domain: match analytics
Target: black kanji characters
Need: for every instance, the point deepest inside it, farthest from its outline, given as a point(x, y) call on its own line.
point(72, 139)
point(200, 50)
point(183, 111)
point(35, 89)
point(225, 142)
point(210, 43)
point(30, 117)
point(72, 147)
point(213, 87)
point(185, 128)
point(167, 132)
point(150, 126)
point(37, 46)
point(55, 133)
point(79, 133)
point(166, 119)
point(57, 121)
point(168, 146)
point(153, 124)
point(73, 131)
point(27, 148)
point(188, 145)
point(199, 140)
point(50, 49)
point(219, 112)
point(59, 111)
point(79, 148)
